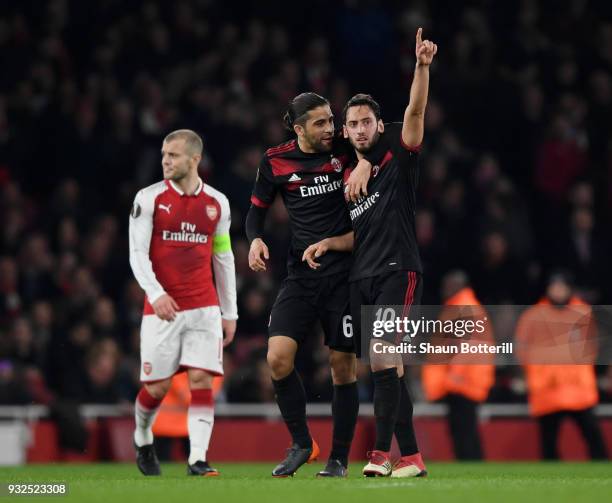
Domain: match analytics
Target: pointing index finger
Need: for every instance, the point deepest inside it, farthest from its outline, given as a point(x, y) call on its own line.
point(419, 35)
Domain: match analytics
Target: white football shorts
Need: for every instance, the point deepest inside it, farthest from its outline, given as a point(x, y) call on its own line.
point(193, 340)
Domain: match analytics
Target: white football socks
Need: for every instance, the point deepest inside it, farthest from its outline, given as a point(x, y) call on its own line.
point(145, 410)
point(200, 421)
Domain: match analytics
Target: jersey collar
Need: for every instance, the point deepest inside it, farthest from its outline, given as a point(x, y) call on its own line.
point(181, 193)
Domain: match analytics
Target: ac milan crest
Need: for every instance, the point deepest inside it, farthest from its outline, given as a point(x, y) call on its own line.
point(211, 211)
point(147, 368)
point(335, 162)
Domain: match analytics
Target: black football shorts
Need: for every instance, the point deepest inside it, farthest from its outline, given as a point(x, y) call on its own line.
point(396, 288)
point(302, 302)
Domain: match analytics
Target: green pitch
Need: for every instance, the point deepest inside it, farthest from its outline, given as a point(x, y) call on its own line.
point(251, 483)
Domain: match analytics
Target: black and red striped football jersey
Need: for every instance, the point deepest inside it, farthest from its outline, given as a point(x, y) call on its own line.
point(384, 220)
point(311, 188)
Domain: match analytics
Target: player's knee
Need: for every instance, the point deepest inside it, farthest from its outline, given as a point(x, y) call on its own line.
point(158, 389)
point(280, 364)
point(384, 362)
point(381, 364)
point(343, 367)
point(400, 370)
point(200, 379)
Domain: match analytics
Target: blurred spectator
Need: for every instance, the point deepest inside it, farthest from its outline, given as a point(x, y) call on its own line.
point(43, 324)
point(66, 356)
point(254, 311)
point(555, 389)
point(36, 264)
point(561, 159)
point(585, 253)
point(23, 350)
point(10, 298)
point(251, 382)
point(99, 383)
point(13, 389)
point(104, 322)
point(462, 387)
point(498, 277)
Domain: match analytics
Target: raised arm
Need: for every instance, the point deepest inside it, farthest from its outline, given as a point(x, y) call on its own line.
point(414, 116)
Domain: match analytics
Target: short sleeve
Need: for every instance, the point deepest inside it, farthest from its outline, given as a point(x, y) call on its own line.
point(393, 137)
point(264, 190)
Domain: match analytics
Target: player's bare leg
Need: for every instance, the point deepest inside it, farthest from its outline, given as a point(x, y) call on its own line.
point(345, 408)
point(145, 409)
point(291, 399)
point(281, 356)
point(200, 421)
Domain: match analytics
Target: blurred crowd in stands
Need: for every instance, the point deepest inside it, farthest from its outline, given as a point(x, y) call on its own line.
point(516, 170)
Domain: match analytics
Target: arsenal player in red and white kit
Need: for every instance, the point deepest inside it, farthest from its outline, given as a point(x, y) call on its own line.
point(179, 236)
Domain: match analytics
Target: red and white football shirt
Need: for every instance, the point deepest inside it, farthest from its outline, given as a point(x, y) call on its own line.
point(171, 247)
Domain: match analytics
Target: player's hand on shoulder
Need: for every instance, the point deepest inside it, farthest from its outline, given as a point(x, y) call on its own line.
point(165, 307)
point(315, 251)
point(257, 253)
point(425, 49)
point(229, 330)
point(357, 183)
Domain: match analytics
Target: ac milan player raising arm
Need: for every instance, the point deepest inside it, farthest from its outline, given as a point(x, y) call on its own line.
point(386, 265)
point(413, 126)
point(307, 172)
point(179, 235)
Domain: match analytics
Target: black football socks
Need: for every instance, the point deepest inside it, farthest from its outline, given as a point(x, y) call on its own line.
point(404, 429)
point(291, 399)
point(345, 408)
point(386, 405)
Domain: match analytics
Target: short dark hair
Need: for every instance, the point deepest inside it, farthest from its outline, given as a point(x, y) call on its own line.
point(300, 106)
point(358, 100)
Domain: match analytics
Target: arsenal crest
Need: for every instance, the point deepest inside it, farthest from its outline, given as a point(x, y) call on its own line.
point(211, 211)
point(335, 162)
point(147, 368)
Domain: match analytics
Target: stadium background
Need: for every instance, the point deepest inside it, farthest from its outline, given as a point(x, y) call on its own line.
point(516, 175)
